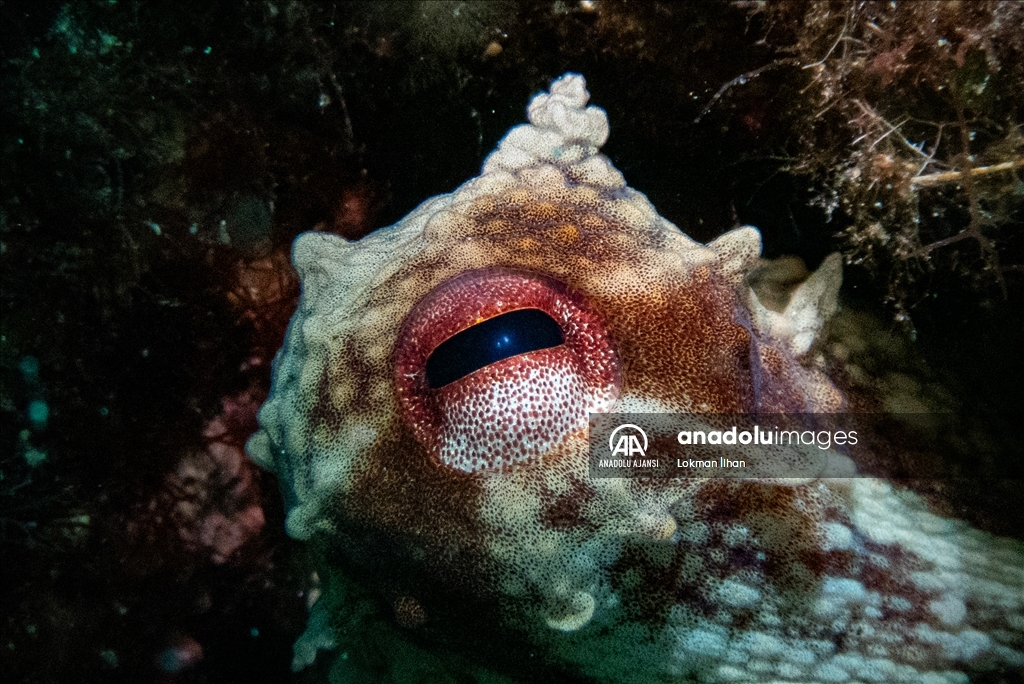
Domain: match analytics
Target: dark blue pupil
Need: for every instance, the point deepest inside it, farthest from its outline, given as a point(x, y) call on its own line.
point(516, 332)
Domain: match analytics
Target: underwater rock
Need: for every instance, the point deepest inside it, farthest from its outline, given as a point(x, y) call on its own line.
point(432, 444)
point(216, 496)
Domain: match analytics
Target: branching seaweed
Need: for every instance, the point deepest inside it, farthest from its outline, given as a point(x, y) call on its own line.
point(918, 133)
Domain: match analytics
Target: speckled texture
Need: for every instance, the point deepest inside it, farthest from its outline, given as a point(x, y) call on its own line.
point(617, 580)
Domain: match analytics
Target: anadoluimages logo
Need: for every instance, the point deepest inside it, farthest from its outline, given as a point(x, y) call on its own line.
point(628, 443)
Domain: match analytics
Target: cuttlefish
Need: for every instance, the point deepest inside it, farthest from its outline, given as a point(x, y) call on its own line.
point(428, 424)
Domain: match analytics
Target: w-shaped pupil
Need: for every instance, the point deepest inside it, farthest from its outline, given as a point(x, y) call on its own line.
point(516, 332)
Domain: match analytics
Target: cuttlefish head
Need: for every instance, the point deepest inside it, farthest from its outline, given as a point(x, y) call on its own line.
point(429, 411)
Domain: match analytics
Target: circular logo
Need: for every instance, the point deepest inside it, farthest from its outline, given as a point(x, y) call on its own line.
point(631, 439)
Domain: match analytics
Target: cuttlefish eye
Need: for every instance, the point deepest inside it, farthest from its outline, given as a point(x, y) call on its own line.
point(496, 367)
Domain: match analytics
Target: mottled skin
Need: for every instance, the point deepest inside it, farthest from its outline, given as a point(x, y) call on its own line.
point(508, 541)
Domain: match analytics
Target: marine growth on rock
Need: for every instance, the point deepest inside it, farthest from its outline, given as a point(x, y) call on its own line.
point(428, 425)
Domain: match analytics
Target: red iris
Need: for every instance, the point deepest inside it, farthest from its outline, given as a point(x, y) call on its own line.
point(518, 407)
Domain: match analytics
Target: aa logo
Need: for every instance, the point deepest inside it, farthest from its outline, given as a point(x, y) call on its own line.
point(628, 443)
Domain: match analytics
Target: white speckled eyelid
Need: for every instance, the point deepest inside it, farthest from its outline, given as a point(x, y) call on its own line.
point(501, 537)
